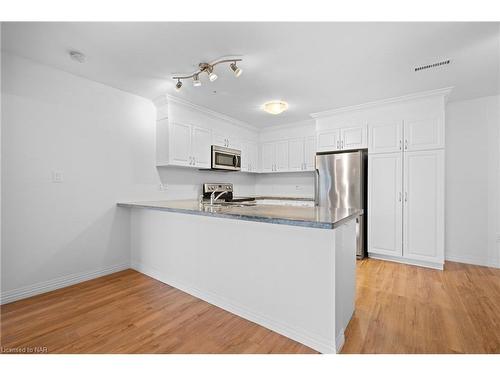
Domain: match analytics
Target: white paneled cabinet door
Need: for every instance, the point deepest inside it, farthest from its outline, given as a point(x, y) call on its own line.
point(424, 134)
point(309, 153)
point(329, 140)
point(282, 157)
point(385, 204)
point(252, 156)
point(423, 230)
point(385, 137)
point(200, 147)
point(180, 144)
point(268, 156)
point(219, 139)
point(296, 154)
point(353, 138)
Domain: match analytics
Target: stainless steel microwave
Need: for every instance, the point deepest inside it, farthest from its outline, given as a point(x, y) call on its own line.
point(226, 159)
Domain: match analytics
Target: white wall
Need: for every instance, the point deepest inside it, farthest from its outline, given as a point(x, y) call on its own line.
point(102, 140)
point(473, 181)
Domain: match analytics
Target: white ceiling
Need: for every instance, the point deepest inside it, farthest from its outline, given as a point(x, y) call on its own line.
point(313, 66)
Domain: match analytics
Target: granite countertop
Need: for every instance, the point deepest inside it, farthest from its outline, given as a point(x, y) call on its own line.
point(314, 217)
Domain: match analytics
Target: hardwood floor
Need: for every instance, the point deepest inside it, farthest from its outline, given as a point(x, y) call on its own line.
point(399, 309)
point(408, 309)
point(128, 312)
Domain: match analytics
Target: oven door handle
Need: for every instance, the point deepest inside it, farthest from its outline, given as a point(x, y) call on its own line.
point(236, 161)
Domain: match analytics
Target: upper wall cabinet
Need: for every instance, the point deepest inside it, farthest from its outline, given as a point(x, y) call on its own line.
point(343, 138)
point(249, 152)
point(385, 136)
point(407, 135)
point(424, 134)
point(301, 152)
point(275, 156)
point(189, 146)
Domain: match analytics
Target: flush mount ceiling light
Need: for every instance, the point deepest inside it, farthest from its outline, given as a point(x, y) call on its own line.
point(209, 69)
point(275, 107)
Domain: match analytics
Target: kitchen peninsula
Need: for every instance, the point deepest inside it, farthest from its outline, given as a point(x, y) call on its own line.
point(290, 269)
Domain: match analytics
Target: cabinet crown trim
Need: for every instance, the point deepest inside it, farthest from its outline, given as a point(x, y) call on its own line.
point(165, 99)
point(445, 92)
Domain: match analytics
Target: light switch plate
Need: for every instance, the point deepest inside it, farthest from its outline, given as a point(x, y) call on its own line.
point(57, 177)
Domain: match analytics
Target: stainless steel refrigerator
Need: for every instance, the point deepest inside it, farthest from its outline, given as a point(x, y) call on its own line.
point(340, 182)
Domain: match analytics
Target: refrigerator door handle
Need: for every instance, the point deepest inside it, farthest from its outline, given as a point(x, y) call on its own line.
point(316, 187)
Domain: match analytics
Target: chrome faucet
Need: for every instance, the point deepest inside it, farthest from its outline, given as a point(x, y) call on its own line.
point(212, 199)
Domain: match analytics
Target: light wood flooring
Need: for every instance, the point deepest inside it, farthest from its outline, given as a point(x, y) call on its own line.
point(399, 309)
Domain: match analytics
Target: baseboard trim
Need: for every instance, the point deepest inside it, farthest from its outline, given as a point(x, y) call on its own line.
point(412, 262)
point(310, 340)
point(472, 260)
point(60, 282)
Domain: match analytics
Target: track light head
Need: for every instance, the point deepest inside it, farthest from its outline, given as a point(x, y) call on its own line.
point(196, 80)
point(211, 75)
point(237, 71)
point(178, 85)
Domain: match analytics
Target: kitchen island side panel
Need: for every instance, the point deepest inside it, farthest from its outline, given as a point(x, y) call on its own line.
point(281, 277)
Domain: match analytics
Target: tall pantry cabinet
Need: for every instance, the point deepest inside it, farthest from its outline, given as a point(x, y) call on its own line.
point(406, 186)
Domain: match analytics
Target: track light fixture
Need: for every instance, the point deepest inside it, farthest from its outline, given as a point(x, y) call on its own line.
point(209, 69)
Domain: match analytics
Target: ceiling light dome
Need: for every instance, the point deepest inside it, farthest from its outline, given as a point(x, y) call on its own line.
point(275, 107)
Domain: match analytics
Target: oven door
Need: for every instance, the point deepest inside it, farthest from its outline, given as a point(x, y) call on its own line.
point(226, 159)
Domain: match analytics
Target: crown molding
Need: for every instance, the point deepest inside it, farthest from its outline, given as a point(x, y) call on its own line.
point(165, 99)
point(291, 125)
point(445, 92)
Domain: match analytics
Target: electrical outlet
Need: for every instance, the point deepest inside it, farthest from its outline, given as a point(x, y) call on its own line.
point(162, 187)
point(57, 177)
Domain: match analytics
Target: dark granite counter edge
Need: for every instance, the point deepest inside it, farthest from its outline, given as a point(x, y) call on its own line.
point(261, 219)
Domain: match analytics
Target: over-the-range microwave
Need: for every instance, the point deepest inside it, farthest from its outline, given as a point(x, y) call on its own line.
point(226, 159)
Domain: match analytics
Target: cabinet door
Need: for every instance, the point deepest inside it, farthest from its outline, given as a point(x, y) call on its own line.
point(180, 144)
point(219, 139)
point(310, 153)
point(425, 134)
point(385, 204)
point(329, 140)
point(423, 213)
point(200, 147)
point(385, 137)
point(282, 157)
point(353, 138)
point(296, 154)
point(268, 156)
point(245, 156)
point(252, 156)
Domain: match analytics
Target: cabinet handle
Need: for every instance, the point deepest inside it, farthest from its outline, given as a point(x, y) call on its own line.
point(194, 160)
point(399, 196)
point(406, 196)
point(338, 145)
point(190, 160)
point(406, 144)
point(400, 142)
point(342, 144)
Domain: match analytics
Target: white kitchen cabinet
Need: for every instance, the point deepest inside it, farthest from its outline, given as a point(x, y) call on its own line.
point(282, 156)
point(328, 140)
point(423, 229)
point(352, 138)
point(310, 153)
point(296, 152)
point(423, 134)
point(342, 138)
point(189, 146)
point(249, 156)
point(385, 175)
point(385, 136)
point(180, 144)
point(225, 140)
point(268, 157)
point(200, 147)
point(275, 156)
point(301, 153)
